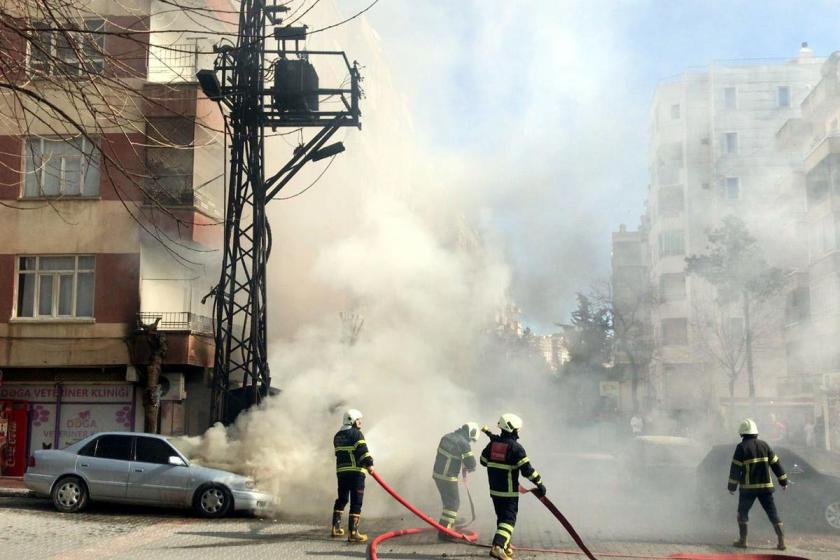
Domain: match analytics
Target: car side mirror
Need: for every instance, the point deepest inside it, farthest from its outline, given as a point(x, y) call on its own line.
point(177, 461)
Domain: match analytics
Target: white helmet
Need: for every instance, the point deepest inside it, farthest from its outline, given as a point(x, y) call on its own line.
point(472, 430)
point(748, 428)
point(351, 416)
point(510, 422)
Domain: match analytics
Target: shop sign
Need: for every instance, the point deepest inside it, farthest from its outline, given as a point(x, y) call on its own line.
point(69, 393)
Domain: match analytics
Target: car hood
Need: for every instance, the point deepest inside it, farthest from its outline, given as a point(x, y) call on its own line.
point(217, 475)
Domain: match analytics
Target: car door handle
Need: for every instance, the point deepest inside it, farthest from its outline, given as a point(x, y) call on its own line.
point(138, 470)
point(84, 465)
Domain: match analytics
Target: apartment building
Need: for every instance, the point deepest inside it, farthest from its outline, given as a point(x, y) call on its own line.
point(111, 182)
point(714, 153)
point(813, 299)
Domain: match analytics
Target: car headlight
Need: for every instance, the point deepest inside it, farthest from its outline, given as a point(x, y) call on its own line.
point(250, 484)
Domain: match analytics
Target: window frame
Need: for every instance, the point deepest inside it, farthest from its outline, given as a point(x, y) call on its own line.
point(85, 164)
point(779, 90)
point(137, 443)
point(56, 275)
point(727, 185)
point(92, 61)
point(735, 96)
point(726, 136)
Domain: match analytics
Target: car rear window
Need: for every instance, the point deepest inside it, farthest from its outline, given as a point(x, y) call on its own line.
point(114, 447)
point(152, 450)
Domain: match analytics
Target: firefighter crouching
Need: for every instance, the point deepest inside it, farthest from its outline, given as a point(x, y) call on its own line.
point(504, 458)
point(352, 459)
point(454, 455)
point(751, 466)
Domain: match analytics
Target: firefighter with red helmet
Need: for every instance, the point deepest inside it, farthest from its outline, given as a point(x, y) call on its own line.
point(505, 458)
point(352, 460)
point(750, 470)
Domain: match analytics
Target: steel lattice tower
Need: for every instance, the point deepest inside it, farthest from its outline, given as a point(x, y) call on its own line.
point(241, 373)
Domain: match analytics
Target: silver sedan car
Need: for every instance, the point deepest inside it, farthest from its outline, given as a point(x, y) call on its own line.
point(137, 468)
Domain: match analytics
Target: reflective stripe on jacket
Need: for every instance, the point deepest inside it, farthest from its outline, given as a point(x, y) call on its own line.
point(751, 465)
point(453, 452)
point(504, 458)
point(351, 451)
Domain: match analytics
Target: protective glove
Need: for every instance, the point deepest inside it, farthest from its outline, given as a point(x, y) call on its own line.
point(486, 429)
point(540, 491)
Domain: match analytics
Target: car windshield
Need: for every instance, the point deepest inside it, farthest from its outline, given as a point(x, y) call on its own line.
point(181, 445)
point(822, 461)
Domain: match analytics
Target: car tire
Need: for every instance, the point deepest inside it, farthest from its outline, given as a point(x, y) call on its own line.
point(69, 494)
point(831, 515)
point(212, 501)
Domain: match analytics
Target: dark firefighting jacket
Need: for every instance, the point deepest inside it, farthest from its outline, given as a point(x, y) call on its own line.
point(453, 453)
point(504, 458)
point(751, 466)
point(351, 452)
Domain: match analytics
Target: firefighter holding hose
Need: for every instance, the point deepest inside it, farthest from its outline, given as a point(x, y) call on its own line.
point(751, 466)
point(352, 460)
point(504, 458)
point(454, 456)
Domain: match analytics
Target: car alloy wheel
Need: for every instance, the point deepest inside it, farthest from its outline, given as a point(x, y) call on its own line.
point(213, 500)
point(69, 494)
point(832, 514)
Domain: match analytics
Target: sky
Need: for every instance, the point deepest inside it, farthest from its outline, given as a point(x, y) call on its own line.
point(539, 111)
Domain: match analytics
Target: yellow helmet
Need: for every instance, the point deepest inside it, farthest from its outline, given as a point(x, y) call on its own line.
point(748, 428)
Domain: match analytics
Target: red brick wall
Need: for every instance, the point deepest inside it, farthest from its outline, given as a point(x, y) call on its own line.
point(13, 47)
point(127, 55)
point(11, 166)
point(117, 298)
point(123, 166)
point(7, 286)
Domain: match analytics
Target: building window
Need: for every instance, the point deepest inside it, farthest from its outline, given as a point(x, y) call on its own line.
point(671, 201)
point(67, 52)
point(730, 98)
point(55, 286)
point(674, 332)
point(733, 188)
point(671, 243)
point(730, 143)
point(672, 286)
point(61, 167)
point(675, 112)
point(784, 96)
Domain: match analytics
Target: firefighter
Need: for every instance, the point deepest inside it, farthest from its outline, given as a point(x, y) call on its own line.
point(454, 456)
point(504, 458)
point(751, 466)
point(352, 460)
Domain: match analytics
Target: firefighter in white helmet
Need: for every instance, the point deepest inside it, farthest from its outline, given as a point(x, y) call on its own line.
point(454, 456)
point(751, 466)
point(504, 458)
point(352, 460)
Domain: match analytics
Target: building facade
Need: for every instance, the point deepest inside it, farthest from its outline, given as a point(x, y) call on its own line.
point(111, 182)
point(714, 154)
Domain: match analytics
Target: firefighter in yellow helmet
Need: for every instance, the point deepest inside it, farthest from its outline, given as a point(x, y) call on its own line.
point(454, 455)
point(504, 458)
point(751, 466)
point(352, 460)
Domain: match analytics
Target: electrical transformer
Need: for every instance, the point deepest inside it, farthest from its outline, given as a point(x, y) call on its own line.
point(295, 86)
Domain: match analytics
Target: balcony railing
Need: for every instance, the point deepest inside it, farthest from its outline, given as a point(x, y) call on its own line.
point(176, 321)
point(173, 63)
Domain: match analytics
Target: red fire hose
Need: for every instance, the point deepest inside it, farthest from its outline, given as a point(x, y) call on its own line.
point(470, 537)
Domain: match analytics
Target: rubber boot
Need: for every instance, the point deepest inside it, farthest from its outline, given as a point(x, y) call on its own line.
point(509, 550)
point(353, 525)
point(336, 531)
point(499, 553)
point(781, 535)
point(742, 540)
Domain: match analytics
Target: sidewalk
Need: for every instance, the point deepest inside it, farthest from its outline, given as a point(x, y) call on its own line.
point(13, 486)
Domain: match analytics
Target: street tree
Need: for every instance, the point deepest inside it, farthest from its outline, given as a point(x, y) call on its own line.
point(735, 266)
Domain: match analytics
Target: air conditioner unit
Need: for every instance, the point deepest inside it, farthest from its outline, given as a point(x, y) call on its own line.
point(172, 387)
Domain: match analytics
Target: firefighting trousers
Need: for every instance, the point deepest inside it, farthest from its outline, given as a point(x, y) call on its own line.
point(351, 487)
point(451, 501)
point(746, 500)
point(506, 510)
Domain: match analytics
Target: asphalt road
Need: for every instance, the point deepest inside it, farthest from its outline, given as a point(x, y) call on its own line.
point(31, 529)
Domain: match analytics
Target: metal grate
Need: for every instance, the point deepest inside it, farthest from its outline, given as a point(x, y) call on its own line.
point(176, 321)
